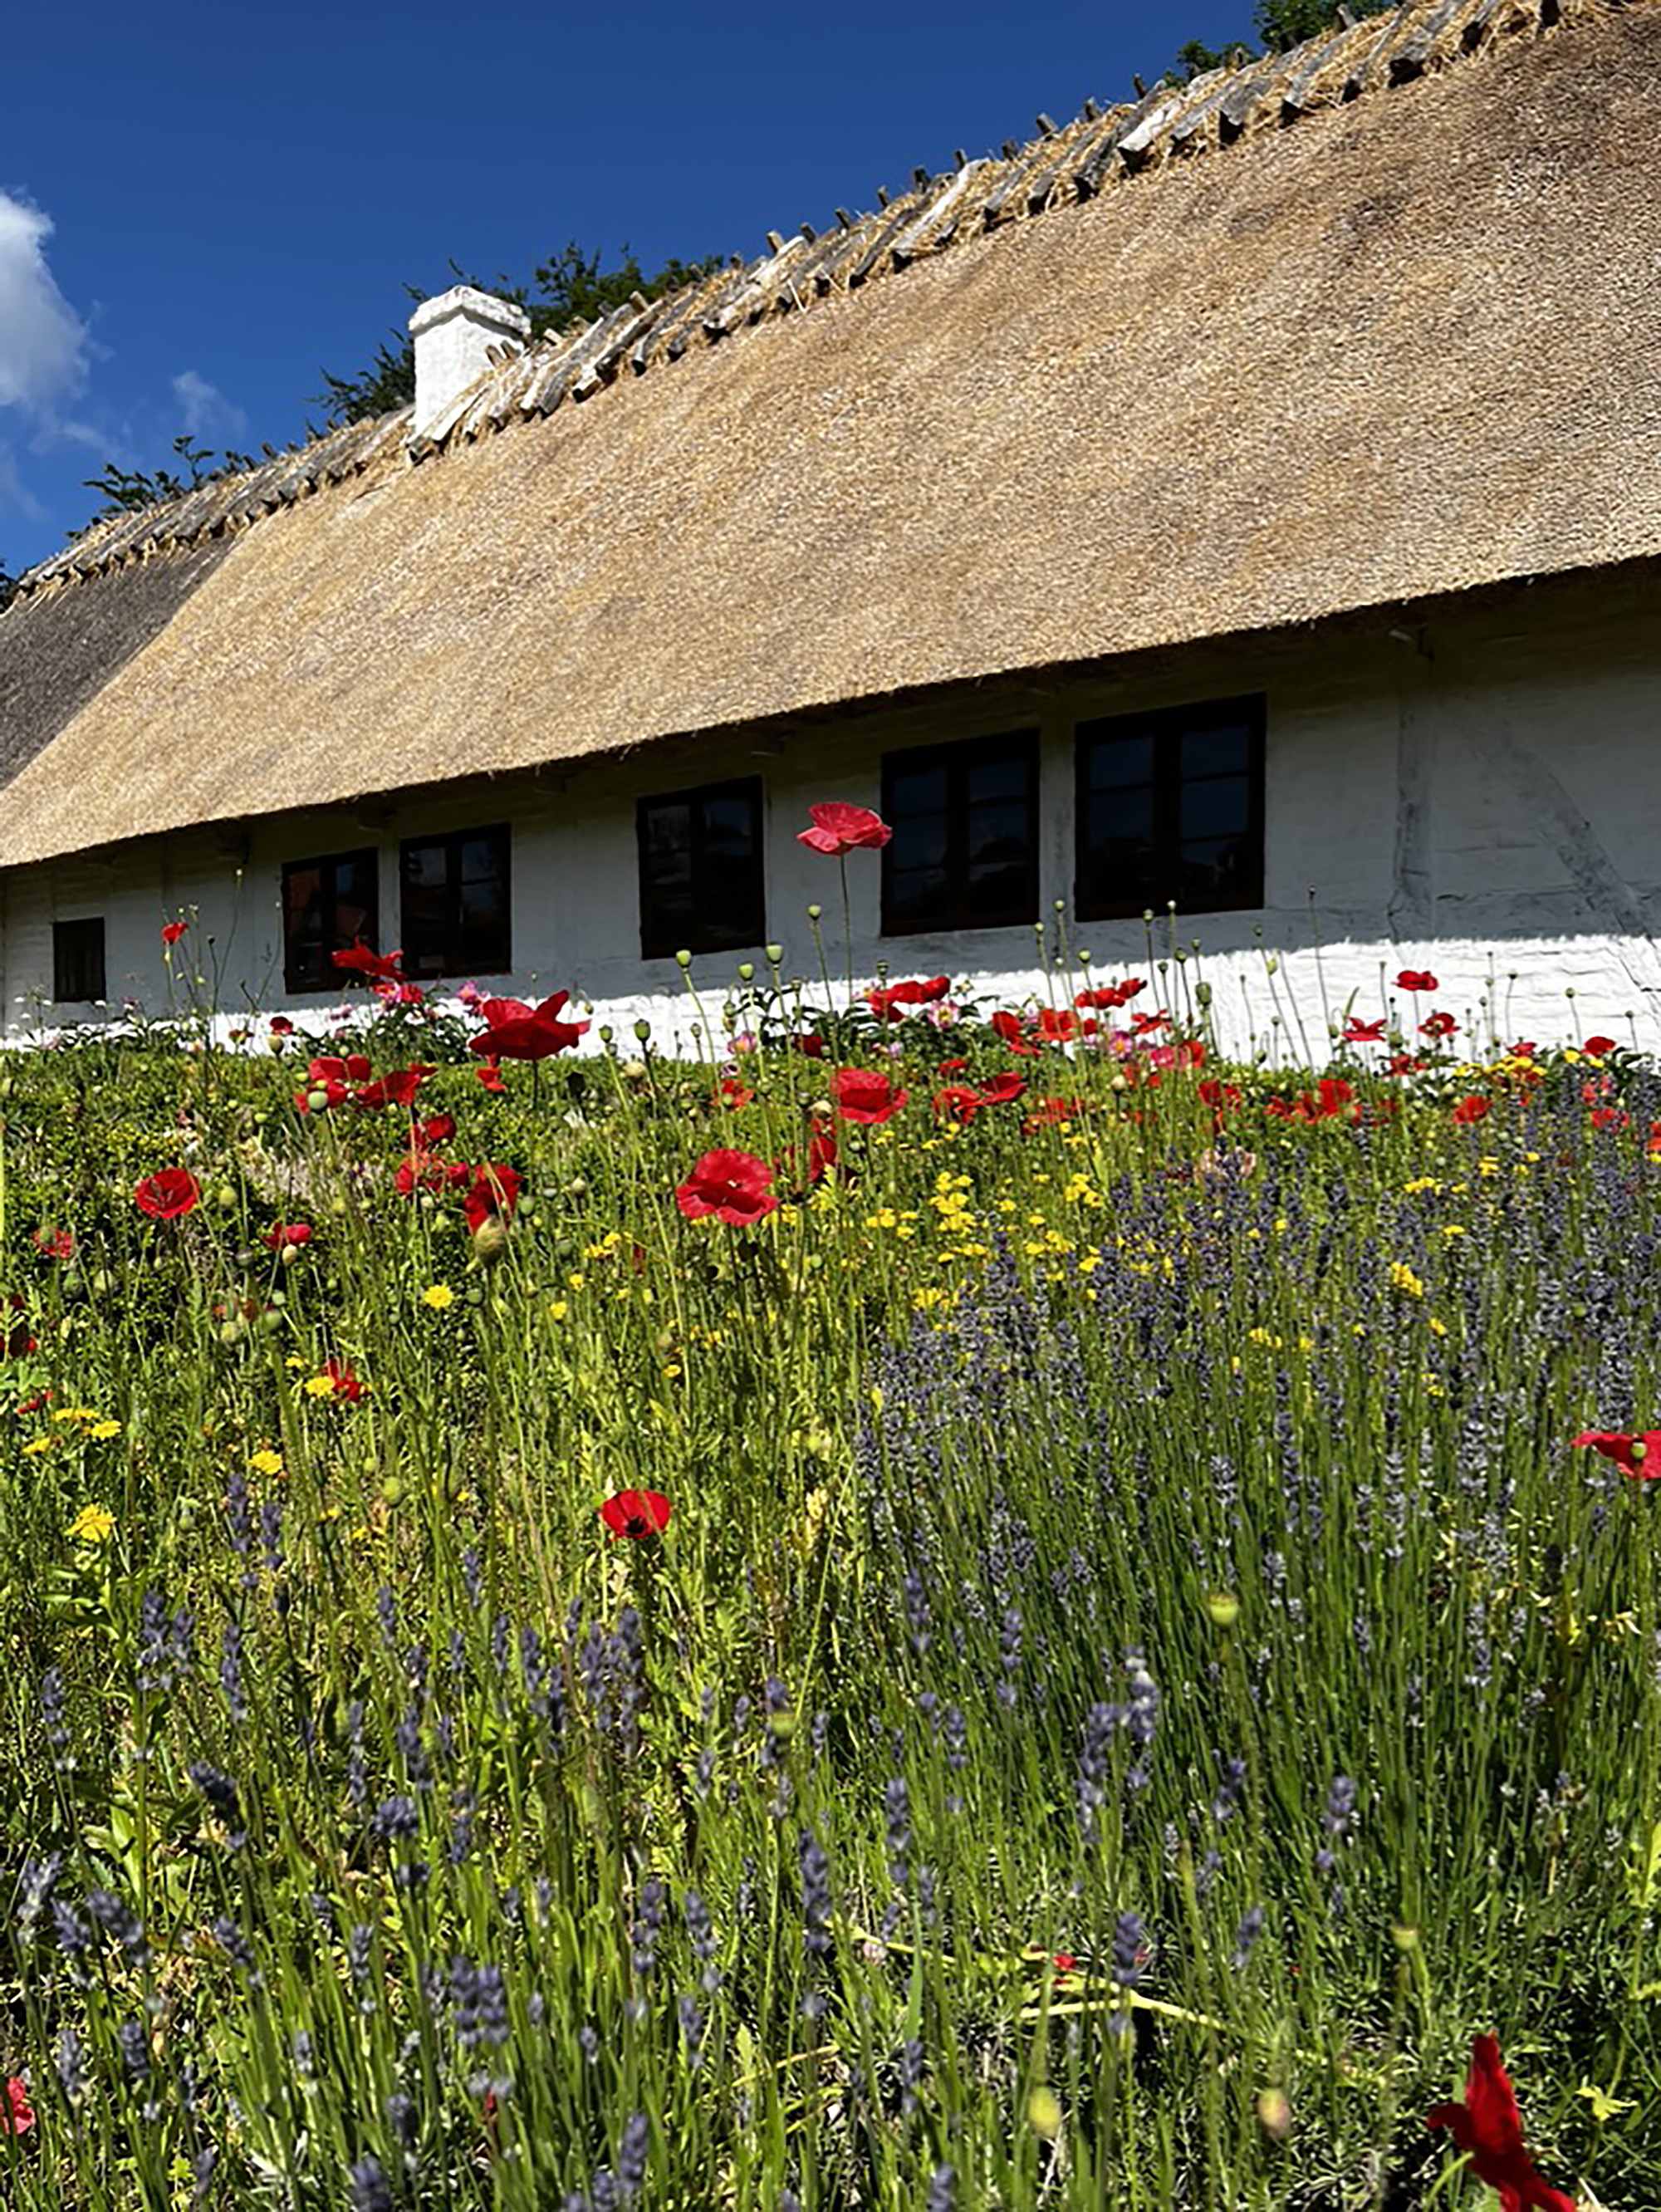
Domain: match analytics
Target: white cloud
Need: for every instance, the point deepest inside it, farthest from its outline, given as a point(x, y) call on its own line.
point(42, 340)
point(207, 413)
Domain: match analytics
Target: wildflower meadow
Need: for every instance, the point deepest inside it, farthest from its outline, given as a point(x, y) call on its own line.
point(957, 1606)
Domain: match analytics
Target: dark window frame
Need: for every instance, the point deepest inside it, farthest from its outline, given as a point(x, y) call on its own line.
point(79, 955)
point(957, 756)
point(662, 938)
point(453, 955)
point(325, 977)
point(1165, 726)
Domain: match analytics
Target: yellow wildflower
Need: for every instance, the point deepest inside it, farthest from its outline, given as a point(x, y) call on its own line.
point(92, 1524)
point(266, 1462)
point(437, 1295)
point(100, 1431)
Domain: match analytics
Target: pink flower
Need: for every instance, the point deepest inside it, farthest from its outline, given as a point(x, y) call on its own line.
point(839, 828)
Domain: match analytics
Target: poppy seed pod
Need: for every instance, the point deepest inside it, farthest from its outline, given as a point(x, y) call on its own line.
point(490, 1241)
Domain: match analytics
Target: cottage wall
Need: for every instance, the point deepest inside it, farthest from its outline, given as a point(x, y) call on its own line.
point(1475, 793)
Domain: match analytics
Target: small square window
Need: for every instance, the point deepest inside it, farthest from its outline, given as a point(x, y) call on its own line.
point(701, 869)
point(457, 917)
point(964, 852)
point(1170, 807)
point(328, 906)
point(77, 961)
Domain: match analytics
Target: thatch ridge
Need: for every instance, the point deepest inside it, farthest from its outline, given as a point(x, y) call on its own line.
point(1101, 150)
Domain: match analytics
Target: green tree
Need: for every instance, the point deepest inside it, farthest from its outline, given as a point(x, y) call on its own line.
point(1279, 24)
point(571, 287)
point(127, 490)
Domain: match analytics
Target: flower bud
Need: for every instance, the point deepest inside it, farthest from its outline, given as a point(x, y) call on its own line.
point(490, 1241)
point(1224, 1608)
point(683, 959)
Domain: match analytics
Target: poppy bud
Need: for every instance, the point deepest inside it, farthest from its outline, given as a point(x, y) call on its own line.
point(318, 1101)
point(775, 953)
point(633, 1071)
point(746, 971)
point(1044, 2113)
point(233, 1331)
point(1224, 1608)
point(683, 959)
point(225, 1197)
point(642, 1030)
point(288, 1255)
point(392, 1490)
point(490, 1241)
point(1275, 2114)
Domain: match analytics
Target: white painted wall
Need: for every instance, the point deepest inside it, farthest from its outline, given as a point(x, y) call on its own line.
point(1481, 797)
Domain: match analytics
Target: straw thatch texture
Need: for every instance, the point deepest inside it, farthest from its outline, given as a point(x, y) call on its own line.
point(1410, 347)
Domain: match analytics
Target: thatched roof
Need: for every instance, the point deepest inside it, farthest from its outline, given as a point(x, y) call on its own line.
point(1108, 396)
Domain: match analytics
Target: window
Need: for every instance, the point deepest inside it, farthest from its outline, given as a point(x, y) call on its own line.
point(964, 852)
point(1170, 806)
point(701, 869)
point(456, 914)
point(328, 906)
point(77, 960)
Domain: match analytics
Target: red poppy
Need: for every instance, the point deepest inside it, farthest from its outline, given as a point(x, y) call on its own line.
point(1638, 1456)
point(1472, 1110)
point(1331, 1098)
point(490, 1076)
point(495, 1191)
point(637, 1513)
point(282, 1026)
point(1011, 1028)
point(1051, 1110)
point(437, 1130)
point(346, 1384)
point(1403, 1063)
point(1438, 1026)
point(889, 1001)
point(167, 1194)
point(734, 1186)
point(173, 931)
point(1416, 979)
point(1112, 994)
point(957, 1103)
point(1142, 1024)
point(1524, 1048)
point(399, 994)
point(809, 1047)
point(863, 1095)
point(839, 828)
point(1222, 1098)
point(521, 1032)
point(1060, 1025)
point(732, 1094)
point(56, 1243)
point(360, 961)
point(18, 2117)
point(288, 1236)
point(821, 1155)
point(419, 1171)
point(1003, 1088)
point(1490, 2128)
point(1610, 1117)
point(1365, 1032)
point(1065, 1962)
point(398, 1089)
point(1600, 1046)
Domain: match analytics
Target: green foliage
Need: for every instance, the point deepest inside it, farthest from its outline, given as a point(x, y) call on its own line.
point(1133, 1534)
point(1279, 24)
point(570, 288)
point(126, 492)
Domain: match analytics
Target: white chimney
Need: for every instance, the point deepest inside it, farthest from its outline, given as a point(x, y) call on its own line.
point(455, 335)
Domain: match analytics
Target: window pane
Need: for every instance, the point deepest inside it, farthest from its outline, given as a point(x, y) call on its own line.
point(1212, 874)
point(917, 897)
point(482, 857)
point(1002, 778)
point(919, 843)
point(997, 831)
point(999, 891)
point(1111, 762)
point(1113, 818)
point(1225, 751)
point(916, 790)
point(700, 870)
point(1221, 808)
point(729, 827)
point(425, 867)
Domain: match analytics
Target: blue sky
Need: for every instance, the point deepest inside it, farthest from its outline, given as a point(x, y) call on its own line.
point(202, 209)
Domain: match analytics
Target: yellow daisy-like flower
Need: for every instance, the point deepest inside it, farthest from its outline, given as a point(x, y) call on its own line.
point(39, 1444)
point(437, 1295)
point(320, 1386)
point(267, 1462)
point(559, 1308)
point(102, 1430)
point(92, 1524)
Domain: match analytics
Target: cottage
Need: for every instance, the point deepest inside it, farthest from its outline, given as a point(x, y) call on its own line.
point(1246, 501)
